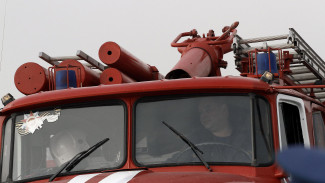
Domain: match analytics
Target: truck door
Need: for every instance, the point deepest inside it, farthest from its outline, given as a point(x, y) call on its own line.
point(292, 122)
point(319, 129)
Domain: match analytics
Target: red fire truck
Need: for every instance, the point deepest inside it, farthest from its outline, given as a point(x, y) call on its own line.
point(120, 120)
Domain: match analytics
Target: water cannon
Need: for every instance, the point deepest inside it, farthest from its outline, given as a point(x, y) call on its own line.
point(202, 56)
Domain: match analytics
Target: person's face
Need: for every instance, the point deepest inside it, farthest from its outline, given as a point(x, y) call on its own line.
point(213, 115)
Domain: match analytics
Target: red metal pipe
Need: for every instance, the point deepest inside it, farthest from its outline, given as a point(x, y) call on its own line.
point(231, 28)
point(114, 76)
point(31, 78)
point(218, 40)
point(193, 33)
point(207, 42)
point(115, 56)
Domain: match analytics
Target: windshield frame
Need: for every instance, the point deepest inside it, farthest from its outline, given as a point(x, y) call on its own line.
point(106, 102)
point(3, 138)
point(253, 98)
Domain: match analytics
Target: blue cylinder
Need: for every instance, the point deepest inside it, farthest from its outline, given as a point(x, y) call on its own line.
point(263, 63)
point(61, 79)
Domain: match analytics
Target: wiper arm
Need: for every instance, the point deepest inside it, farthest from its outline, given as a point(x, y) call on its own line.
point(77, 158)
point(194, 148)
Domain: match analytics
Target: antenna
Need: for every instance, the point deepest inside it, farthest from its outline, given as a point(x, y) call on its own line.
point(3, 32)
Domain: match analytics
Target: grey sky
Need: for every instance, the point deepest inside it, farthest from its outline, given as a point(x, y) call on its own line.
point(143, 27)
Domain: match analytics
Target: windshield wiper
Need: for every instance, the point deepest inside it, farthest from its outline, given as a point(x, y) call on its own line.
point(77, 158)
point(194, 148)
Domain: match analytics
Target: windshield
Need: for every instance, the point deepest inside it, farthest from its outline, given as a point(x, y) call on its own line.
point(227, 129)
point(46, 139)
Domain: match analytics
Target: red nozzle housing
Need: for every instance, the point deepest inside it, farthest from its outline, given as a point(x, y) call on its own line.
point(202, 57)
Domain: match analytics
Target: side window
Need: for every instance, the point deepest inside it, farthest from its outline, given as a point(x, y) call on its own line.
point(292, 121)
point(6, 151)
point(292, 124)
point(319, 130)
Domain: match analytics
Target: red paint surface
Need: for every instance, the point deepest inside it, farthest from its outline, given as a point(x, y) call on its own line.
point(114, 76)
point(31, 78)
point(115, 56)
point(161, 87)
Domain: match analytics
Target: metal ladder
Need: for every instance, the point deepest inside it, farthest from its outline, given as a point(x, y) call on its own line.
point(307, 67)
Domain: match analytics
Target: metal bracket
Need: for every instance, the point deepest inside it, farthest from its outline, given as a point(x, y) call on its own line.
point(90, 60)
point(80, 56)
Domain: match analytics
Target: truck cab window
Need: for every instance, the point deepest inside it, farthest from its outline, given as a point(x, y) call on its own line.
point(292, 122)
point(220, 126)
point(319, 130)
point(43, 140)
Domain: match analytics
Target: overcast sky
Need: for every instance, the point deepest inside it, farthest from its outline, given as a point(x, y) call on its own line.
point(143, 27)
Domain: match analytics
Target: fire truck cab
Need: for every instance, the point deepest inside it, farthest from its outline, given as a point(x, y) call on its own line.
point(125, 122)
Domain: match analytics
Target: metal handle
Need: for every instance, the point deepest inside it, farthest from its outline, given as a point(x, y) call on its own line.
point(216, 40)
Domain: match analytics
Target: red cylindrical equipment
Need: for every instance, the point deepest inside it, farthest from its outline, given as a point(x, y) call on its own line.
point(194, 62)
point(115, 56)
point(114, 76)
point(31, 78)
point(85, 76)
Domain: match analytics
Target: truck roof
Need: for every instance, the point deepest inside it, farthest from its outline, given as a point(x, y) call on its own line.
point(223, 84)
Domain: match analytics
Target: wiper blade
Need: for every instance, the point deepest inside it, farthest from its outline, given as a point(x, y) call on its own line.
point(77, 158)
point(194, 148)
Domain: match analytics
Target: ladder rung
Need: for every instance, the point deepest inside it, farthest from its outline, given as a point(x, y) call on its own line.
point(90, 60)
point(303, 77)
point(316, 90)
point(297, 65)
point(262, 39)
point(320, 95)
point(295, 61)
point(300, 70)
point(280, 46)
point(306, 82)
point(48, 59)
point(79, 56)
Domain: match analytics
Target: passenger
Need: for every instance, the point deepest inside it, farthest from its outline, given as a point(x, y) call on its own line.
point(66, 144)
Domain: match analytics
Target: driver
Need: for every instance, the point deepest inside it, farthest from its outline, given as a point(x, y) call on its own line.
point(214, 116)
point(227, 143)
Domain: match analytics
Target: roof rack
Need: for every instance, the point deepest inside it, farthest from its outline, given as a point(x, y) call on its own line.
point(80, 55)
point(305, 66)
